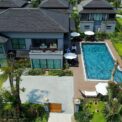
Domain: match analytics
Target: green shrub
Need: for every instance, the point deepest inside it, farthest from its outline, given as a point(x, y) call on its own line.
point(36, 72)
point(35, 3)
point(101, 36)
point(60, 73)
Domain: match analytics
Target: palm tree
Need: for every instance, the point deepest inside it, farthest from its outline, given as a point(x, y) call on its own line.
point(113, 111)
point(14, 71)
point(114, 70)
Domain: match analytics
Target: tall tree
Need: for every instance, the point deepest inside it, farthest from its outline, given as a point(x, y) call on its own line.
point(14, 72)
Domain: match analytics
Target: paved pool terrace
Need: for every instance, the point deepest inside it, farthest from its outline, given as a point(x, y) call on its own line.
point(79, 80)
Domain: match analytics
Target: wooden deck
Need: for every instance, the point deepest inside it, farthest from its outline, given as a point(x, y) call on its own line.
point(79, 82)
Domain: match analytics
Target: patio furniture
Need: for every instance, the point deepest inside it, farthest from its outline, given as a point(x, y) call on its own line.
point(73, 48)
point(89, 93)
point(70, 56)
point(75, 34)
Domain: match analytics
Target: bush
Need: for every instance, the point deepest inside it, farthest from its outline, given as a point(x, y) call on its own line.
point(101, 36)
point(34, 111)
point(60, 73)
point(36, 72)
point(35, 3)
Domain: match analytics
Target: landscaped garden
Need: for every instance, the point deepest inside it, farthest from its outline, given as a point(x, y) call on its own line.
point(97, 108)
point(102, 109)
point(116, 39)
point(43, 72)
point(3, 77)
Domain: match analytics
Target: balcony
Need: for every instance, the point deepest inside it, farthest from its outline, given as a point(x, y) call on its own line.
point(42, 53)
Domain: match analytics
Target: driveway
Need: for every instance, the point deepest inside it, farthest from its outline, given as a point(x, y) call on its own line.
point(56, 89)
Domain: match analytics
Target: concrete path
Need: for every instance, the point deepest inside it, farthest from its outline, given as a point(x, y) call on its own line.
point(56, 89)
point(60, 117)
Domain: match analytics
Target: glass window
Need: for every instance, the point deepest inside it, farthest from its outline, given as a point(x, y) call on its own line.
point(87, 27)
point(46, 63)
point(18, 43)
point(1, 48)
point(35, 63)
point(108, 27)
point(50, 63)
point(43, 63)
point(57, 63)
point(44, 42)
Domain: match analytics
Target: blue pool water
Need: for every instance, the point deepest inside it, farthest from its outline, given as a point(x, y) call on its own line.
point(99, 62)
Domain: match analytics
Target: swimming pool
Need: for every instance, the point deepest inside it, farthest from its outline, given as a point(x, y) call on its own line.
point(98, 62)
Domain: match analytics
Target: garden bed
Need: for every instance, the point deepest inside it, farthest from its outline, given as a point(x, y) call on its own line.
point(42, 72)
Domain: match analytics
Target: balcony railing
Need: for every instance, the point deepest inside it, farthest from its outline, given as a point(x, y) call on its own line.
point(45, 50)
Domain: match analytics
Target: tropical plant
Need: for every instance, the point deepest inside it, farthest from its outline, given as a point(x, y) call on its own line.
point(14, 72)
point(83, 115)
point(76, 17)
point(35, 3)
point(113, 109)
point(73, 2)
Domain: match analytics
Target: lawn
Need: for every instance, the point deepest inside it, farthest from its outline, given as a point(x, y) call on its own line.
point(96, 107)
point(118, 47)
point(3, 78)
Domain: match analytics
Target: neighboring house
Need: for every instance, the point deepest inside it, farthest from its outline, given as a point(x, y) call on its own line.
point(4, 4)
point(97, 15)
point(34, 33)
point(54, 4)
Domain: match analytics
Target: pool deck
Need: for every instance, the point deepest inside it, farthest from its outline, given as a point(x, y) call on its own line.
point(79, 81)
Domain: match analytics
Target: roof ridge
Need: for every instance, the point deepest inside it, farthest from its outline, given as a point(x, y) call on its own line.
point(52, 19)
point(4, 11)
point(61, 1)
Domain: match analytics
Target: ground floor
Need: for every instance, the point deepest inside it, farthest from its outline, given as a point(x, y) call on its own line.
point(45, 50)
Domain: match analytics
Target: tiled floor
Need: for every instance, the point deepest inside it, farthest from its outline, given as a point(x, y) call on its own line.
point(79, 81)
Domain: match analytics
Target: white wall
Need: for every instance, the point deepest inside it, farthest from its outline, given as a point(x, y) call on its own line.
point(103, 28)
point(84, 23)
point(108, 23)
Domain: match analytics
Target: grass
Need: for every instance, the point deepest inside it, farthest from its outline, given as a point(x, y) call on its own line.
point(3, 78)
point(97, 109)
point(119, 20)
point(118, 47)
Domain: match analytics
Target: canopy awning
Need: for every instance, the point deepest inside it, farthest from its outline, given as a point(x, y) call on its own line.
point(75, 34)
point(102, 88)
point(70, 55)
point(89, 33)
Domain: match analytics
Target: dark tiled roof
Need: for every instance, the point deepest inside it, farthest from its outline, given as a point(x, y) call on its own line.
point(54, 4)
point(32, 20)
point(98, 4)
point(98, 11)
point(12, 3)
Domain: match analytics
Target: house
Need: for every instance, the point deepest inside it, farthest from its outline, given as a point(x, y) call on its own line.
point(97, 16)
point(34, 33)
point(5, 4)
point(54, 4)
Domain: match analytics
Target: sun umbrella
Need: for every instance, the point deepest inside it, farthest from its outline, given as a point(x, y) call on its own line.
point(70, 55)
point(102, 88)
point(75, 34)
point(89, 33)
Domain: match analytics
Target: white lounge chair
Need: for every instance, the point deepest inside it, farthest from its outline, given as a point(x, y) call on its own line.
point(89, 93)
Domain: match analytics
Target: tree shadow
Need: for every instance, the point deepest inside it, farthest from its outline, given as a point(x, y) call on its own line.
point(37, 95)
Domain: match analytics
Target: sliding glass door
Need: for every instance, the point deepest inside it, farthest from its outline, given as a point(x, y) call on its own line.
point(46, 63)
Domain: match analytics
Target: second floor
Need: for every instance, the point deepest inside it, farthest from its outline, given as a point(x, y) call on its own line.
point(97, 16)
